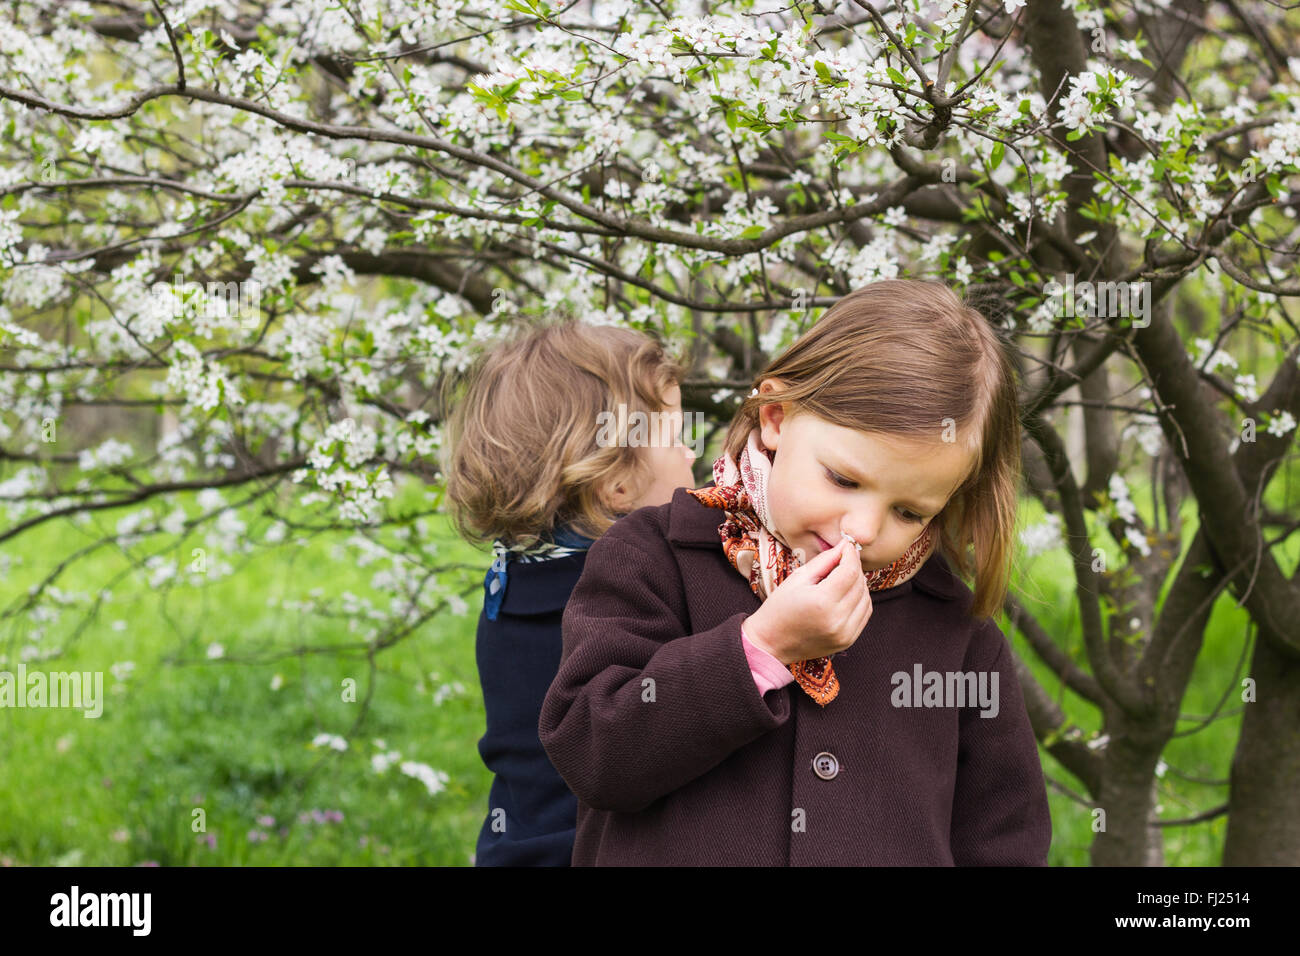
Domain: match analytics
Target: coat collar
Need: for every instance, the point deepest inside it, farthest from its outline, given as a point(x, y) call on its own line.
point(540, 587)
point(694, 525)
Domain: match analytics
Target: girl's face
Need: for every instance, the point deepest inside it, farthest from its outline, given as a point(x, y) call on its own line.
point(827, 479)
point(668, 458)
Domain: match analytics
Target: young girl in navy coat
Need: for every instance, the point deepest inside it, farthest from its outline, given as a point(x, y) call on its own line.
point(534, 467)
point(783, 668)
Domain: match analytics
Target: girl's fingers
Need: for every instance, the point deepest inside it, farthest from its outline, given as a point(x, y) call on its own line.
point(832, 586)
point(849, 572)
point(862, 611)
point(823, 565)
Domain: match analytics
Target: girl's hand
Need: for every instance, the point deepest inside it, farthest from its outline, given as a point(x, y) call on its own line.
point(819, 610)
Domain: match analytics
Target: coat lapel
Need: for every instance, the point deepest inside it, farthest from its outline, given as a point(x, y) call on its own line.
point(714, 589)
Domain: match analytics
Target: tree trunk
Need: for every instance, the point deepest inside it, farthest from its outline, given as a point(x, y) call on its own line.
point(1128, 797)
point(1264, 799)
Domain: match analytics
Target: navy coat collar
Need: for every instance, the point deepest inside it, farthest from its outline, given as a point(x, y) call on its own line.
point(695, 525)
point(538, 587)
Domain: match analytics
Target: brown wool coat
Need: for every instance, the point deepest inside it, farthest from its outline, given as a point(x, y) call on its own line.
point(655, 723)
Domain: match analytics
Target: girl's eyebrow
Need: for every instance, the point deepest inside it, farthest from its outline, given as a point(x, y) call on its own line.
point(852, 476)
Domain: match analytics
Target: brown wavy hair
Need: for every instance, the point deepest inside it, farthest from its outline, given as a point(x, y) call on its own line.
point(519, 450)
point(909, 359)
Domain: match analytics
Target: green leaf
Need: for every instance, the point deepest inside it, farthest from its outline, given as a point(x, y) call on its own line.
point(896, 76)
point(995, 159)
point(753, 232)
point(1055, 735)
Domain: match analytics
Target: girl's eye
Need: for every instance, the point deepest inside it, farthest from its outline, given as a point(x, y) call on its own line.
point(840, 480)
point(843, 482)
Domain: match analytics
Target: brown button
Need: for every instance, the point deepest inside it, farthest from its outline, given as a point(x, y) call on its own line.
point(825, 765)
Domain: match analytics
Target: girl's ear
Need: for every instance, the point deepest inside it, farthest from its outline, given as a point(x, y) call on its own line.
point(619, 494)
point(615, 496)
point(769, 425)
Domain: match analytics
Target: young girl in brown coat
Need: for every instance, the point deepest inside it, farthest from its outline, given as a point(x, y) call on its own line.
point(783, 667)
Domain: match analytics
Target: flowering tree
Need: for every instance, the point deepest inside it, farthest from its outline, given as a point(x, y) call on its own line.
point(273, 229)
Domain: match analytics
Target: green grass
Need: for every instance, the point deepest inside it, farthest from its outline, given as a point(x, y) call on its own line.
point(213, 735)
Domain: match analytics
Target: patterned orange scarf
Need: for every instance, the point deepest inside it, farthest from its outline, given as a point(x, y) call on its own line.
point(740, 490)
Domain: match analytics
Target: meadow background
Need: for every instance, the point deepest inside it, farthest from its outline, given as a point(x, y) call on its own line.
point(394, 182)
point(180, 730)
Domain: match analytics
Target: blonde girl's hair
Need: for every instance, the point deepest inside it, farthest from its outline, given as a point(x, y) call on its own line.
point(520, 452)
point(908, 359)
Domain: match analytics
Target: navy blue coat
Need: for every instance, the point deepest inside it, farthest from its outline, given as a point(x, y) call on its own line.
point(518, 654)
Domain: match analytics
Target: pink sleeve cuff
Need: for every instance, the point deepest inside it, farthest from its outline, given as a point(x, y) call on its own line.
point(768, 672)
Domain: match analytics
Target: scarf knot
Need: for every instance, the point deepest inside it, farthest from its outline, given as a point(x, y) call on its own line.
point(563, 542)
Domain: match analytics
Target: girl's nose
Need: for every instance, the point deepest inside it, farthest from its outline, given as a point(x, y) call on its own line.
point(863, 529)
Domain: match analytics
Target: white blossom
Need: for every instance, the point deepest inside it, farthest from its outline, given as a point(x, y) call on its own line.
point(1042, 537)
point(434, 780)
point(1281, 423)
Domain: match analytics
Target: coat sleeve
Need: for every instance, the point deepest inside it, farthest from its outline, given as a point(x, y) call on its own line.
point(1000, 812)
point(640, 706)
